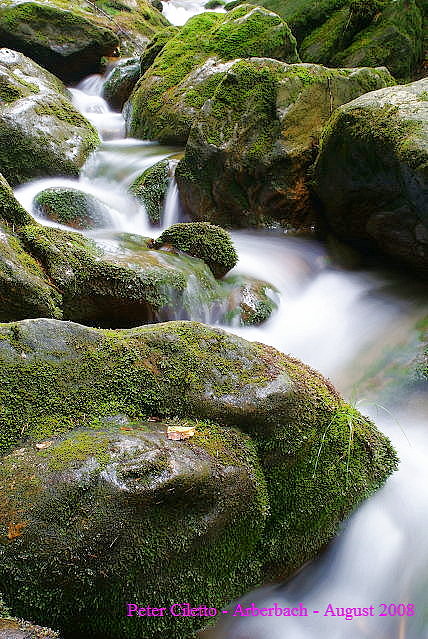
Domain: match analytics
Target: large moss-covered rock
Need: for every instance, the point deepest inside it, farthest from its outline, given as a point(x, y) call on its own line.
point(72, 207)
point(25, 291)
point(164, 103)
point(66, 44)
point(41, 133)
point(209, 243)
point(69, 37)
point(155, 46)
point(144, 515)
point(249, 151)
point(372, 177)
point(355, 32)
point(121, 81)
point(104, 287)
point(124, 513)
point(369, 32)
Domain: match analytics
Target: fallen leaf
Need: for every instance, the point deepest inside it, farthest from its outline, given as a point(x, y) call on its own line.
point(15, 530)
point(180, 432)
point(43, 445)
point(126, 428)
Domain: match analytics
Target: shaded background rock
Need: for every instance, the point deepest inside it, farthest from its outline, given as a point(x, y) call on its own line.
point(252, 144)
point(63, 42)
point(371, 175)
point(349, 33)
point(41, 133)
point(70, 37)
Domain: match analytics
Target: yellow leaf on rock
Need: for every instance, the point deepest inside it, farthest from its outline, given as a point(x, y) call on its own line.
point(15, 530)
point(180, 432)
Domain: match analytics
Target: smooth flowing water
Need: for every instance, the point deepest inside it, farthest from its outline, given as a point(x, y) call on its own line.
point(342, 322)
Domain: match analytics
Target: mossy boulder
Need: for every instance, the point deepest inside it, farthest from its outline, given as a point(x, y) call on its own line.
point(151, 187)
point(69, 37)
point(41, 133)
point(163, 104)
point(121, 81)
point(25, 290)
point(370, 33)
point(102, 288)
point(341, 33)
point(209, 243)
point(155, 46)
point(61, 41)
point(72, 207)
point(371, 175)
point(11, 212)
point(253, 143)
point(209, 517)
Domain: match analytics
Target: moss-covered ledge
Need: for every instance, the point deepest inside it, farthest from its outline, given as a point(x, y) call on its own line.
point(66, 386)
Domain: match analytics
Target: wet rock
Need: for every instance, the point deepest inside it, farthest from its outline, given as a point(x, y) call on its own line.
point(163, 105)
point(25, 291)
point(121, 81)
point(11, 212)
point(65, 43)
point(252, 144)
point(151, 188)
point(252, 301)
point(41, 133)
point(209, 243)
point(371, 174)
point(72, 207)
point(70, 38)
point(115, 507)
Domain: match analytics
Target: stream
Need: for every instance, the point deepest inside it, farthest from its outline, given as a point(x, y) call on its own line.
point(349, 324)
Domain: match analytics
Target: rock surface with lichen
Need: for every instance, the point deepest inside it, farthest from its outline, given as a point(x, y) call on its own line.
point(164, 104)
point(41, 133)
point(371, 175)
point(252, 144)
point(94, 493)
point(121, 81)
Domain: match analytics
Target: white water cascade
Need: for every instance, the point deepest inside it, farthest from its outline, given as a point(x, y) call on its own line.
point(179, 11)
point(341, 322)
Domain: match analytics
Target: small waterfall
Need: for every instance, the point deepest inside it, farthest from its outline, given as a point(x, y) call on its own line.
point(179, 11)
point(110, 125)
point(172, 208)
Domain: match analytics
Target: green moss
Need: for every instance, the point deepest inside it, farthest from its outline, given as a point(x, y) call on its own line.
point(150, 189)
point(77, 448)
point(214, 4)
point(72, 207)
point(209, 243)
point(318, 455)
point(240, 34)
